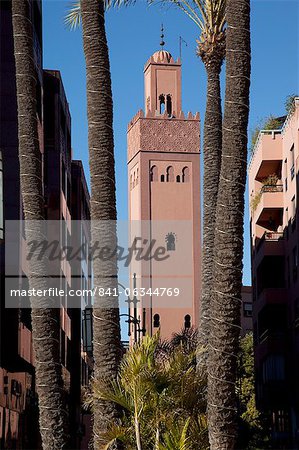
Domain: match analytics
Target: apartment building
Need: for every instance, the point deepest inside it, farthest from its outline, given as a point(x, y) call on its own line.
point(273, 190)
point(66, 199)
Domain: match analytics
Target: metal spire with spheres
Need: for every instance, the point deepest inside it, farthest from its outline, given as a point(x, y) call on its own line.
point(162, 42)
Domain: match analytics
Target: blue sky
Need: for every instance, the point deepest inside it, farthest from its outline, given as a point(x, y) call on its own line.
point(134, 34)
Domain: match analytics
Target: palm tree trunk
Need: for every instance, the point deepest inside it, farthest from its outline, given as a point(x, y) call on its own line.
point(45, 321)
point(228, 254)
point(106, 333)
point(212, 160)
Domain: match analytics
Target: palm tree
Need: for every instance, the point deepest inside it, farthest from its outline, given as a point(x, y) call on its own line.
point(163, 399)
point(45, 320)
point(106, 325)
point(209, 16)
point(228, 255)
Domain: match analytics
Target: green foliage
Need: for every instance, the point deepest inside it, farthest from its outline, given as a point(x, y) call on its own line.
point(271, 180)
point(253, 433)
point(270, 123)
point(162, 395)
point(290, 103)
point(163, 398)
point(255, 201)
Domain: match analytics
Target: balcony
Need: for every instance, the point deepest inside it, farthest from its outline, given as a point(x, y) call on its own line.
point(267, 156)
point(270, 244)
point(270, 296)
point(268, 212)
point(272, 336)
point(270, 342)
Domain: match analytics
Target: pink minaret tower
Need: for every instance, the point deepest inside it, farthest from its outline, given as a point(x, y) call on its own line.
point(164, 199)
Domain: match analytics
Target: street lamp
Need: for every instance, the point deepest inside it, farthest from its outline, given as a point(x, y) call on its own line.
point(133, 318)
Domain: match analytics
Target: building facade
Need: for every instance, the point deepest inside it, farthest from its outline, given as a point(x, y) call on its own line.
point(273, 189)
point(66, 199)
point(246, 311)
point(164, 198)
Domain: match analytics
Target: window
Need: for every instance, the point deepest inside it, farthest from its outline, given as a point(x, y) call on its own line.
point(247, 309)
point(162, 178)
point(295, 264)
point(154, 173)
point(292, 162)
point(293, 208)
point(156, 321)
point(178, 179)
point(169, 105)
point(274, 368)
point(1, 198)
point(286, 174)
point(186, 177)
point(170, 174)
point(162, 103)
point(187, 321)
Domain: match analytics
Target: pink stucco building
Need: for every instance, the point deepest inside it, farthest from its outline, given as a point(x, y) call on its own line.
point(164, 198)
point(273, 190)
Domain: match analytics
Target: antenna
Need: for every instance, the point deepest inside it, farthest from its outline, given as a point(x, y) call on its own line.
point(180, 45)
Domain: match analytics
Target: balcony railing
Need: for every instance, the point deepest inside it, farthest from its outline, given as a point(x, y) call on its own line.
point(272, 236)
point(272, 188)
point(273, 335)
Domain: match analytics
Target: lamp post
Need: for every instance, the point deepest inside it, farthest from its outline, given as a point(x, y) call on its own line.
point(136, 321)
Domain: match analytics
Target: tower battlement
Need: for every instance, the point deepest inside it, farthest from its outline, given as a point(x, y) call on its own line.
point(161, 134)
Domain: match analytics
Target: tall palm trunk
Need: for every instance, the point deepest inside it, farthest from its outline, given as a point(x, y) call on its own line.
point(212, 146)
point(228, 255)
point(107, 345)
point(45, 321)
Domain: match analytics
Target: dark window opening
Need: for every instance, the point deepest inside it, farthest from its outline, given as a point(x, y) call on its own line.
point(187, 321)
point(156, 321)
point(178, 179)
point(162, 103)
point(247, 309)
point(162, 178)
point(169, 105)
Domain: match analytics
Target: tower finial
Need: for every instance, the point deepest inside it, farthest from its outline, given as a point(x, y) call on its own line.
point(162, 43)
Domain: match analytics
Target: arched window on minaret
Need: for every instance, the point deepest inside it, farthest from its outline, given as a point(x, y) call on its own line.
point(154, 173)
point(178, 179)
point(162, 103)
point(187, 321)
point(162, 178)
point(170, 174)
point(186, 176)
point(169, 105)
point(156, 320)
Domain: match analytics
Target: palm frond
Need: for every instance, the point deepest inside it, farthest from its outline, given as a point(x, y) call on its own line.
point(73, 18)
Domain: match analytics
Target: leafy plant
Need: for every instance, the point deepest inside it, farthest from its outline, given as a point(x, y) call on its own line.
point(253, 432)
point(163, 399)
point(290, 103)
point(270, 123)
point(271, 180)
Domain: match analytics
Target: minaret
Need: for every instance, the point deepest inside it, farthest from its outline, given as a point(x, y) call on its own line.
point(164, 198)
